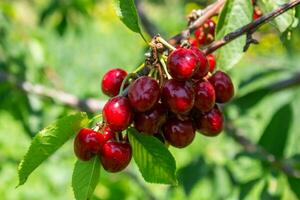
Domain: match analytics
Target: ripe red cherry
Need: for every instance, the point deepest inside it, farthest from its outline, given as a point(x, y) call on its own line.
point(149, 122)
point(205, 33)
point(115, 156)
point(117, 113)
point(179, 133)
point(203, 64)
point(204, 96)
point(112, 81)
point(223, 86)
point(256, 13)
point(210, 123)
point(182, 64)
point(211, 62)
point(143, 93)
point(193, 42)
point(108, 134)
point(178, 96)
point(87, 143)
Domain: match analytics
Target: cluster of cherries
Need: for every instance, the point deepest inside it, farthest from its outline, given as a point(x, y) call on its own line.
point(172, 111)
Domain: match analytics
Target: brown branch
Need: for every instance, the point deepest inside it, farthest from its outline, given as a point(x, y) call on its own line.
point(207, 13)
point(250, 28)
point(88, 105)
point(252, 148)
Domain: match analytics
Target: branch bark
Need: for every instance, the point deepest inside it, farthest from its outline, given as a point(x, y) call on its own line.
point(250, 28)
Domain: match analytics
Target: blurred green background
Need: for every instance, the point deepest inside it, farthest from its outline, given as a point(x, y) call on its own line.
point(68, 45)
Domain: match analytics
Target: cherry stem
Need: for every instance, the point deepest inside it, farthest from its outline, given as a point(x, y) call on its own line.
point(126, 79)
point(165, 43)
point(139, 68)
point(163, 63)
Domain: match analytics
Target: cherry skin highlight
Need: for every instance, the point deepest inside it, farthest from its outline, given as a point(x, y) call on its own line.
point(210, 123)
point(178, 96)
point(115, 156)
point(182, 64)
point(223, 86)
point(143, 93)
point(203, 64)
point(117, 113)
point(87, 143)
point(149, 122)
point(205, 96)
point(112, 81)
point(179, 133)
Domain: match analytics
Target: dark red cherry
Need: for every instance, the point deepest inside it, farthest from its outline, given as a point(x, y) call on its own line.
point(87, 143)
point(115, 156)
point(223, 86)
point(210, 123)
point(117, 113)
point(205, 33)
point(108, 134)
point(143, 93)
point(182, 64)
point(178, 96)
point(205, 96)
point(211, 62)
point(203, 64)
point(179, 133)
point(112, 81)
point(149, 122)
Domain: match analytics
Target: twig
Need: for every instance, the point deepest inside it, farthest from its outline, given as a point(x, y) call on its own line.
point(89, 105)
point(250, 28)
point(206, 14)
point(252, 148)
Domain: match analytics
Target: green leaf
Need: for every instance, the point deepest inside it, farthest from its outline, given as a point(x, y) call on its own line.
point(235, 13)
point(48, 140)
point(276, 133)
point(245, 188)
point(85, 178)
point(283, 21)
point(295, 185)
point(126, 11)
point(155, 162)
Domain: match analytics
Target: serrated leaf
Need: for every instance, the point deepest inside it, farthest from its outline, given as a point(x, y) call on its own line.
point(276, 133)
point(85, 178)
point(48, 140)
point(283, 21)
point(154, 160)
point(235, 13)
point(126, 11)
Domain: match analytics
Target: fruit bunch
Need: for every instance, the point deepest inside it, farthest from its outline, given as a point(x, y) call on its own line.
point(172, 108)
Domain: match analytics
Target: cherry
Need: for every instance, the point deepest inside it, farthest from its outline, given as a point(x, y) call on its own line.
point(115, 156)
point(179, 133)
point(117, 113)
point(223, 86)
point(143, 93)
point(178, 96)
point(203, 64)
point(204, 96)
point(112, 81)
point(87, 143)
point(256, 13)
point(210, 123)
point(182, 64)
point(211, 62)
point(193, 42)
point(108, 134)
point(149, 122)
point(205, 33)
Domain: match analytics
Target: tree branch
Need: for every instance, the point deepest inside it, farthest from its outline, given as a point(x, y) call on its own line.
point(205, 14)
point(252, 148)
point(250, 28)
